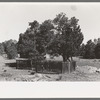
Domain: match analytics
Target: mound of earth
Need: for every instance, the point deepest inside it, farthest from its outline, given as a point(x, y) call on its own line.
point(87, 69)
point(37, 77)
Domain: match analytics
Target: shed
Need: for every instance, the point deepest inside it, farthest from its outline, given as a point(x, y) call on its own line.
point(23, 63)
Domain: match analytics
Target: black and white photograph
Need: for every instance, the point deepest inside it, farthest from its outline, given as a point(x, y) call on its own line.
point(49, 42)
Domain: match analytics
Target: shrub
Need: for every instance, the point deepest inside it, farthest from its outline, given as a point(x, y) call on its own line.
point(10, 47)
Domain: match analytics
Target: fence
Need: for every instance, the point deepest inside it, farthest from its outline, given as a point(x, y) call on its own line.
point(55, 67)
point(47, 66)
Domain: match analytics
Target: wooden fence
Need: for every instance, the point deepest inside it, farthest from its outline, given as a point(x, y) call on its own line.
point(47, 66)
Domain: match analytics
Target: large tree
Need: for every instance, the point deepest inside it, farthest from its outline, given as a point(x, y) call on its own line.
point(60, 36)
point(68, 37)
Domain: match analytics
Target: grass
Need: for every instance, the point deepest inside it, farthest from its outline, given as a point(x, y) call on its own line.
point(84, 62)
point(89, 62)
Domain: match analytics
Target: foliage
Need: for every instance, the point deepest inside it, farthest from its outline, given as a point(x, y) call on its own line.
point(1, 49)
point(44, 36)
point(36, 57)
point(68, 37)
point(35, 38)
point(60, 36)
point(89, 50)
point(27, 41)
point(10, 48)
point(82, 50)
point(97, 51)
point(25, 45)
point(96, 41)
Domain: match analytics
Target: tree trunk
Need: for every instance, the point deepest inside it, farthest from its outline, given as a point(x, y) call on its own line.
point(71, 58)
point(64, 58)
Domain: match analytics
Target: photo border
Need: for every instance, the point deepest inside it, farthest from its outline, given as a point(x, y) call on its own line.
point(50, 1)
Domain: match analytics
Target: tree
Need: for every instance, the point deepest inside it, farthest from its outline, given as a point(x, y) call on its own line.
point(95, 41)
point(36, 38)
point(60, 36)
point(97, 51)
point(98, 40)
point(25, 45)
point(67, 39)
point(10, 48)
point(1, 49)
point(27, 41)
point(89, 50)
point(82, 50)
point(44, 36)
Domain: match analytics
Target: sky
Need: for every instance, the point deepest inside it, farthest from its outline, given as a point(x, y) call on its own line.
point(14, 17)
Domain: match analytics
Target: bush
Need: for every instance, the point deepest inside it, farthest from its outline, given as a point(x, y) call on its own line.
point(10, 48)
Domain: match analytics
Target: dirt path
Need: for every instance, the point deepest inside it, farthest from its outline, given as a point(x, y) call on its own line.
point(7, 73)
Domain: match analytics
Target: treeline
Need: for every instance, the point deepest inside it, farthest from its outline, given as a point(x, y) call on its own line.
point(9, 48)
point(60, 36)
point(91, 49)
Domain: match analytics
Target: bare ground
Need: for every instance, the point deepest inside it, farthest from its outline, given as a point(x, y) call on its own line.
point(13, 74)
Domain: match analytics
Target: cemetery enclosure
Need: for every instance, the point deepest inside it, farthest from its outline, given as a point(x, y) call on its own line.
point(46, 66)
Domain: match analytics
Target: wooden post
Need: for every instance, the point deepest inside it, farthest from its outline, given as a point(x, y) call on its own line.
point(31, 63)
point(66, 67)
point(69, 65)
point(16, 64)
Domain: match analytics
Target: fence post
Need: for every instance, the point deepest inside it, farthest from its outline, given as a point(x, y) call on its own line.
point(65, 67)
point(68, 66)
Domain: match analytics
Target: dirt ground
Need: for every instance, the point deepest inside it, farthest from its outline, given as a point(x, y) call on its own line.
point(85, 71)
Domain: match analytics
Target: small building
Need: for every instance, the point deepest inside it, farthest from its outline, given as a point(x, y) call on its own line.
point(23, 63)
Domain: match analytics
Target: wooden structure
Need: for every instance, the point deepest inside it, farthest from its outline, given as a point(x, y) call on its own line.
point(46, 66)
point(23, 63)
point(68, 67)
